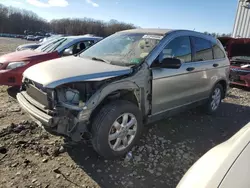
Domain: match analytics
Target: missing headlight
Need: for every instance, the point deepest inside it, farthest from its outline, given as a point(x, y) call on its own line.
point(77, 94)
point(72, 96)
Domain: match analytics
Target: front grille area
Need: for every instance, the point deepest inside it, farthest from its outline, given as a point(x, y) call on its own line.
point(240, 72)
point(38, 93)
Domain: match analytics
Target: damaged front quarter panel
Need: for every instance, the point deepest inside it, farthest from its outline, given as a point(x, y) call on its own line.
point(136, 84)
point(139, 84)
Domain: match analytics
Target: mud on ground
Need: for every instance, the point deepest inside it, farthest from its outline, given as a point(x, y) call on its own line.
point(31, 157)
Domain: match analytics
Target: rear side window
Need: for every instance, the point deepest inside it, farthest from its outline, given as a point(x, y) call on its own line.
point(202, 49)
point(218, 52)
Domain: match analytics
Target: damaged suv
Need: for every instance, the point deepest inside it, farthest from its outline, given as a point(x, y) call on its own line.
point(130, 78)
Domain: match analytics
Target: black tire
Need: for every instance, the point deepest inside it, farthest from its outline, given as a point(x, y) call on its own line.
point(103, 121)
point(208, 107)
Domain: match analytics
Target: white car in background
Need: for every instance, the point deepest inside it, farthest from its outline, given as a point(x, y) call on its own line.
point(32, 46)
point(224, 166)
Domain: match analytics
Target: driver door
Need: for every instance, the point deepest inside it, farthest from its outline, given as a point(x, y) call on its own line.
point(173, 88)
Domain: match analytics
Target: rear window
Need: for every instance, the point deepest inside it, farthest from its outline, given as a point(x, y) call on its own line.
point(202, 49)
point(218, 52)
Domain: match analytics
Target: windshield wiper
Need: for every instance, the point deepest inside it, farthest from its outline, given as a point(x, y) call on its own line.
point(100, 59)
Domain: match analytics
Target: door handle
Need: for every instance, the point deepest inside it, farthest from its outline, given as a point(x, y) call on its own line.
point(215, 65)
point(190, 68)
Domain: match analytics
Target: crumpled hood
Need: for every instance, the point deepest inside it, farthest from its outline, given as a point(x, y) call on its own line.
point(56, 72)
point(20, 56)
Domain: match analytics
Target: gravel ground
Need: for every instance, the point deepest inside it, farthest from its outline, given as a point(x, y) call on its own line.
point(9, 45)
point(31, 157)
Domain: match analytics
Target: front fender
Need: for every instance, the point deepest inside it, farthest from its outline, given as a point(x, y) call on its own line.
point(101, 94)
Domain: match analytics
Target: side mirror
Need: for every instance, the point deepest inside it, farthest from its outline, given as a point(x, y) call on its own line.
point(67, 52)
point(171, 63)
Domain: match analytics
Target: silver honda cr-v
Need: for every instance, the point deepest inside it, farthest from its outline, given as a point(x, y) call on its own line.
point(128, 79)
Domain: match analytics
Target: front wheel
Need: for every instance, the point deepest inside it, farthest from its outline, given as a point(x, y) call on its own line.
point(116, 128)
point(214, 100)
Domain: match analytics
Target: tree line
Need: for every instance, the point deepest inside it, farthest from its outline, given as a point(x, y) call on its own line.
point(16, 21)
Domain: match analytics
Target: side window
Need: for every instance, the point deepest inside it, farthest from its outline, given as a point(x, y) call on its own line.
point(202, 49)
point(218, 52)
point(179, 48)
point(88, 43)
point(80, 46)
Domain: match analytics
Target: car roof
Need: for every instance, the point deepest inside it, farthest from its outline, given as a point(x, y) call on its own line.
point(82, 36)
point(149, 31)
point(165, 31)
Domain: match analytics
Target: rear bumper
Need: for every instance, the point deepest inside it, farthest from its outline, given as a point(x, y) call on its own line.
point(39, 115)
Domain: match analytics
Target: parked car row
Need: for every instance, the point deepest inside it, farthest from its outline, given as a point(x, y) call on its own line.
point(11, 35)
point(33, 37)
point(33, 46)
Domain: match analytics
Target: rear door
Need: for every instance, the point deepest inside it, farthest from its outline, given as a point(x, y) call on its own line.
point(204, 61)
point(173, 88)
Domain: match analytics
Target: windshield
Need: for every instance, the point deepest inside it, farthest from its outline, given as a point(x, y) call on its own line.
point(54, 45)
point(124, 49)
point(49, 39)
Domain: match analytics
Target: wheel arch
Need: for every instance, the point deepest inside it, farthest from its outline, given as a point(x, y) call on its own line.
point(123, 90)
point(224, 85)
point(121, 94)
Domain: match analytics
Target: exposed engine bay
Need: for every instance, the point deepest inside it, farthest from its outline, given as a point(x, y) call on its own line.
point(241, 63)
point(71, 99)
point(77, 94)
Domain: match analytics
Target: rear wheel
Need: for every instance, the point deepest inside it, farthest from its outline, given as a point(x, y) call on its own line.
point(214, 100)
point(116, 128)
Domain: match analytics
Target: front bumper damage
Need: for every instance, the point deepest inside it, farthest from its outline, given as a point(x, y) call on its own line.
point(25, 102)
point(52, 123)
point(239, 76)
